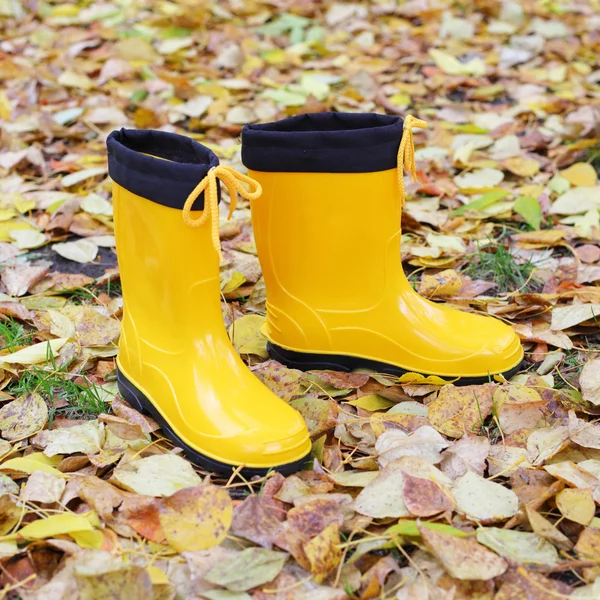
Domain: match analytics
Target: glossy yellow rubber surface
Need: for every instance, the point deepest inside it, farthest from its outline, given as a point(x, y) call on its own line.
point(174, 347)
point(329, 246)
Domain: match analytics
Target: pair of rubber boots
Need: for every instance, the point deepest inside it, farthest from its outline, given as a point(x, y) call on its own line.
point(327, 229)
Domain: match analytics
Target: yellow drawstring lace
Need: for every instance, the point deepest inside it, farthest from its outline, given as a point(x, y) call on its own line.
point(234, 182)
point(406, 153)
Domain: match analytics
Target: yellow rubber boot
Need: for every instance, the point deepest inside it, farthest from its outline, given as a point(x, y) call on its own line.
point(175, 359)
point(327, 229)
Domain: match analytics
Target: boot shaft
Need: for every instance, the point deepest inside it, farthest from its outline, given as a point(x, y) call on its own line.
point(327, 226)
point(169, 271)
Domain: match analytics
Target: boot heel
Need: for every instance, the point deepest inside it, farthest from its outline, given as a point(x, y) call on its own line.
point(131, 394)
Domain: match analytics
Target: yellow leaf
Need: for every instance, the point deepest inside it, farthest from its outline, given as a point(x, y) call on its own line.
point(33, 355)
point(5, 106)
point(54, 525)
point(245, 333)
point(237, 279)
point(7, 226)
point(27, 465)
point(371, 402)
point(157, 576)
point(75, 80)
point(88, 539)
point(23, 417)
point(576, 505)
point(417, 378)
point(323, 552)
point(445, 283)
point(524, 167)
point(452, 66)
point(460, 410)
point(196, 518)
point(581, 175)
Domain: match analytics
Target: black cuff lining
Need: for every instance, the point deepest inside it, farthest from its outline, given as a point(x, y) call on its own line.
point(168, 182)
point(324, 143)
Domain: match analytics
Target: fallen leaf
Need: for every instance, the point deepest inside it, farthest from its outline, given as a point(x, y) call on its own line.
point(23, 417)
point(483, 500)
point(323, 552)
point(81, 251)
point(248, 569)
point(480, 178)
point(159, 475)
point(589, 381)
point(423, 497)
point(576, 505)
point(463, 558)
point(519, 546)
point(445, 283)
point(547, 530)
point(581, 175)
point(196, 518)
point(452, 66)
point(246, 335)
point(460, 410)
point(384, 496)
point(43, 487)
point(10, 514)
point(467, 454)
point(87, 438)
point(35, 354)
point(19, 278)
point(424, 442)
point(55, 525)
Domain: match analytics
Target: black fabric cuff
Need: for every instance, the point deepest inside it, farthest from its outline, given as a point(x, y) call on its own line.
point(168, 182)
point(324, 143)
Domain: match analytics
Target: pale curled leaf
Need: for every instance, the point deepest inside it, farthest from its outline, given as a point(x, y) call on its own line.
point(483, 500)
point(159, 475)
point(424, 442)
point(81, 251)
point(248, 569)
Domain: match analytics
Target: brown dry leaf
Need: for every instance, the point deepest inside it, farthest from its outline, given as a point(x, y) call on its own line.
point(463, 558)
point(23, 417)
point(141, 514)
point(423, 497)
point(467, 454)
point(522, 583)
point(196, 518)
point(123, 410)
point(545, 529)
point(518, 407)
point(323, 552)
point(95, 329)
point(588, 543)
point(257, 521)
point(43, 487)
point(100, 495)
point(460, 410)
point(19, 279)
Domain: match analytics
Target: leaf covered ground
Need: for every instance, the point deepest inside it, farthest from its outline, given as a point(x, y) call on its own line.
point(418, 489)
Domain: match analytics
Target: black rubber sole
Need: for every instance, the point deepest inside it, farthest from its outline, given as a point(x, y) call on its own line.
point(305, 361)
point(137, 400)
